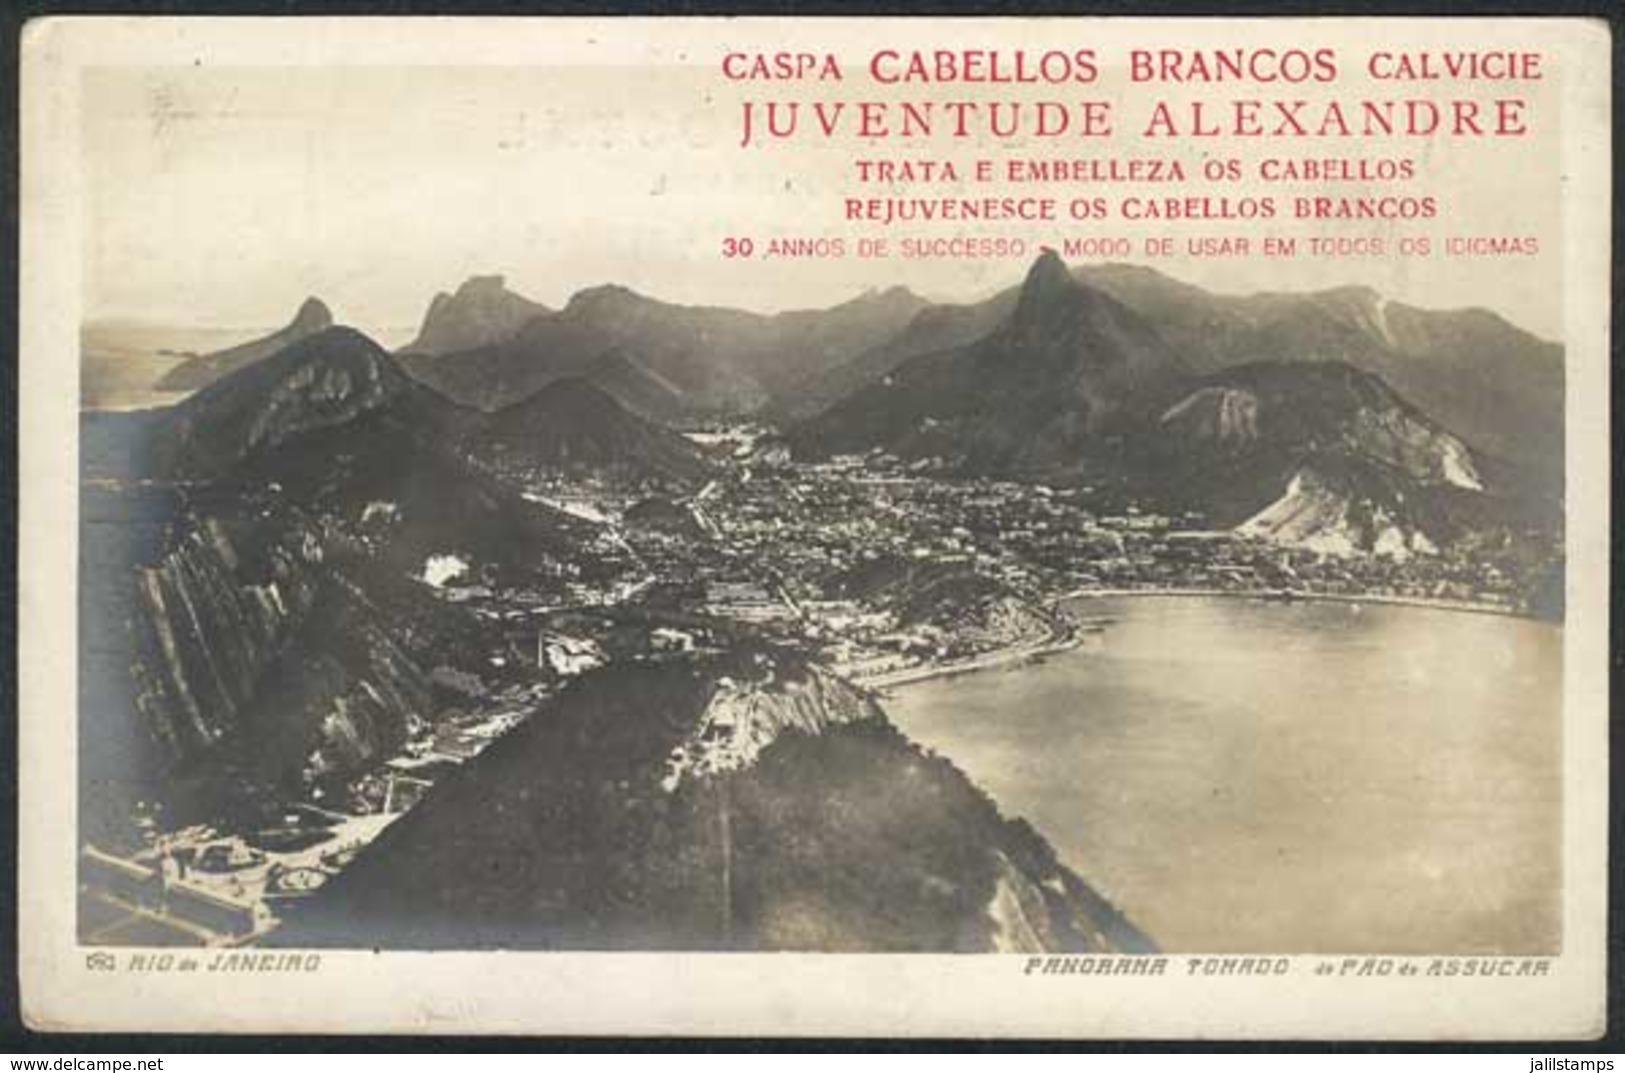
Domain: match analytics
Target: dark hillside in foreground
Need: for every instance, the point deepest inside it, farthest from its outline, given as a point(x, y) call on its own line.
point(732, 801)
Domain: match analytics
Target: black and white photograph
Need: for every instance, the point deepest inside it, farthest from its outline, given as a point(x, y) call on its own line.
point(952, 490)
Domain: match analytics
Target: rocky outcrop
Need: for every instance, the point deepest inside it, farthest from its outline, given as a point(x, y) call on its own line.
point(1321, 456)
point(482, 312)
point(743, 718)
point(1224, 417)
point(1322, 516)
point(204, 638)
point(236, 653)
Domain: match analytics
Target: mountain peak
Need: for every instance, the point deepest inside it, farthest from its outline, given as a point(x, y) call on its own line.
point(1047, 280)
point(574, 393)
point(605, 295)
point(321, 381)
point(313, 316)
point(895, 293)
point(1355, 295)
point(1048, 266)
point(333, 349)
point(573, 423)
point(483, 285)
point(482, 312)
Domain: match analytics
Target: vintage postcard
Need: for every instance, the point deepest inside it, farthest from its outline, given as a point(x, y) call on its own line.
point(959, 527)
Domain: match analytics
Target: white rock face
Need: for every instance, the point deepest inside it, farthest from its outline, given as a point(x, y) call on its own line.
point(1458, 467)
point(1392, 543)
point(1308, 515)
point(1016, 912)
point(439, 569)
point(380, 510)
point(1426, 453)
point(568, 656)
point(1316, 517)
point(1228, 416)
point(742, 719)
point(1379, 320)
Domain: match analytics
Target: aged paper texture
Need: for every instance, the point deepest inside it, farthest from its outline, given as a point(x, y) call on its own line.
point(1052, 527)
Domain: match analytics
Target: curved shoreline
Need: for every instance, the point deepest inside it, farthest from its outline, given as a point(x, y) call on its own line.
point(1070, 636)
point(1064, 639)
point(1471, 607)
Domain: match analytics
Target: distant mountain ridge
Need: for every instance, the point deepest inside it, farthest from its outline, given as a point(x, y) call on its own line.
point(341, 386)
point(688, 361)
point(1061, 380)
point(1495, 384)
point(1499, 387)
point(1038, 393)
point(1075, 385)
point(313, 316)
point(934, 328)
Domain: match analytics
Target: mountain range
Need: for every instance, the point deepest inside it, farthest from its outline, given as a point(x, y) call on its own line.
point(666, 361)
point(1111, 373)
point(1039, 392)
point(1495, 386)
point(934, 328)
point(1076, 385)
point(335, 409)
point(574, 425)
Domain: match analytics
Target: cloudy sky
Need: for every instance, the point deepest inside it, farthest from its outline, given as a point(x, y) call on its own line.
point(223, 194)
